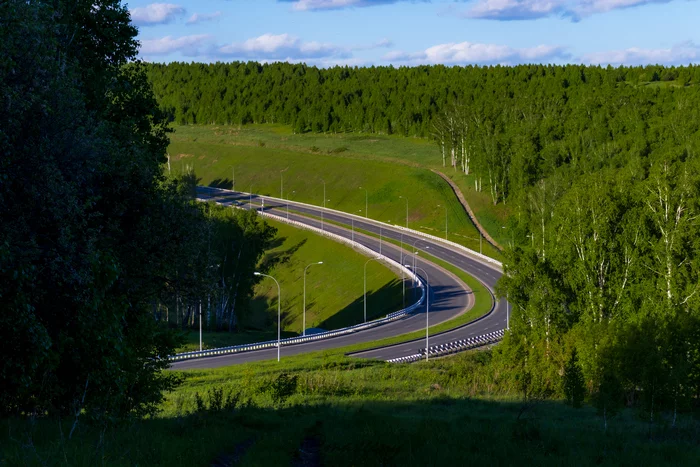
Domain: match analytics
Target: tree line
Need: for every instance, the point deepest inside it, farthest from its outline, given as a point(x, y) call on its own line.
point(509, 127)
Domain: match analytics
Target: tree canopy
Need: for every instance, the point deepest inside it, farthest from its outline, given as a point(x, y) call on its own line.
point(94, 239)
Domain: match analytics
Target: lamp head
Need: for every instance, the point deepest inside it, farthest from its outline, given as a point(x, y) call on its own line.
point(320, 262)
point(256, 273)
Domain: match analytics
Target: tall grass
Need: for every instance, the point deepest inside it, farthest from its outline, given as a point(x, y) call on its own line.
point(342, 411)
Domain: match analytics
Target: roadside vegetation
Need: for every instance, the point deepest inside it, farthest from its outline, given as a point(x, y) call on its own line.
point(328, 409)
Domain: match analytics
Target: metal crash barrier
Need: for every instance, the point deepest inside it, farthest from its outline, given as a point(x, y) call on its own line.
point(452, 347)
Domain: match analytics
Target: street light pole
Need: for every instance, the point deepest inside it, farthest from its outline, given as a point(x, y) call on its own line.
point(364, 295)
point(415, 254)
point(427, 305)
point(233, 178)
point(304, 323)
point(406, 210)
point(200, 325)
point(279, 311)
point(403, 275)
point(366, 198)
point(288, 195)
point(324, 202)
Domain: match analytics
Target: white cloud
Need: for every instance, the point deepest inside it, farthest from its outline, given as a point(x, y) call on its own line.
point(266, 48)
point(156, 13)
point(319, 5)
point(475, 53)
point(507, 10)
point(515, 9)
point(203, 17)
point(187, 45)
point(281, 47)
point(680, 54)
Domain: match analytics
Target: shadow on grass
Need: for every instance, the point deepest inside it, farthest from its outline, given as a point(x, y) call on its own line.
point(438, 430)
point(270, 260)
point(381, 302)
point(225, 183)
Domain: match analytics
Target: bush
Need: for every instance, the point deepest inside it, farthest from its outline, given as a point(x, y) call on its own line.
point(282, 388)
point(574, 388)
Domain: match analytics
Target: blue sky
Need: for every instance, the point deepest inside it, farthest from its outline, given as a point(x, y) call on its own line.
point(413, 32)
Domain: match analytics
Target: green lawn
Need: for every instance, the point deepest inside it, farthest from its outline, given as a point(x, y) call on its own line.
point(345, 411)
point(392, 169)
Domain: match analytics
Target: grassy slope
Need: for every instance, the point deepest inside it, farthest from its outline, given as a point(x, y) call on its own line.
point(389, 167)
point(333, 290)
point(354, 412)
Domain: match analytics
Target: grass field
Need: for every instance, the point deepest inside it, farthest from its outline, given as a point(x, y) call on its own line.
point(334, 290)
point(342, 411)
point(391, 169)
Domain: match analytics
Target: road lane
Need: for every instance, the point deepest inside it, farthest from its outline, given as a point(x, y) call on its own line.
point(448, 295)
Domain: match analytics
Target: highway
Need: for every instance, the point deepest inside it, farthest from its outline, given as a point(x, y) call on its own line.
point(449, 296)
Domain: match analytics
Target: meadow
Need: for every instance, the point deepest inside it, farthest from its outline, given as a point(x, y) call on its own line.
point(271, 160)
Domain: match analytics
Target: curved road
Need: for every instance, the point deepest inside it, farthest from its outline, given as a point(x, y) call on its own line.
point(449, 296)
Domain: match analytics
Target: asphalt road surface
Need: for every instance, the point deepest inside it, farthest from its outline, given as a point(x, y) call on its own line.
point(449, 296)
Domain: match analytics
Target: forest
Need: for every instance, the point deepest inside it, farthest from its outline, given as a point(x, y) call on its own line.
point(509, 126)
point(599, 168)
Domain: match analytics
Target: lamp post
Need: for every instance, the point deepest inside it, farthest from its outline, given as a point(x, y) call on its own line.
point(233, 178)
point(279, 311)
point(415, 254)
point(403, 276)
point(366, 198)
point(324, 202)
point(288, 195)
point(427, 247)
point(403, 259)
point(406, 210)
point(200, 325)
point(250, 197)
point(364, 295)
point(427, 305)
point(304, 318)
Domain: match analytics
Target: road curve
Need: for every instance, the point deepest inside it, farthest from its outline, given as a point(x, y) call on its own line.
point(449, 296)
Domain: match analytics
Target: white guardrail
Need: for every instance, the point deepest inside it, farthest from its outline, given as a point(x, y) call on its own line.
point(322, 335)
point(452, 347)
point(456, 245)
